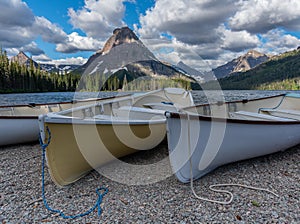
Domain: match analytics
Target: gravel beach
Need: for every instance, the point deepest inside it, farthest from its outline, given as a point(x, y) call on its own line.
point(167, 201)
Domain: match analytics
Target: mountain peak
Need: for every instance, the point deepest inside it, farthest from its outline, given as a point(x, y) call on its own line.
point(254, 54)
point(241, 64)
point(120, 36)
point(22, 59)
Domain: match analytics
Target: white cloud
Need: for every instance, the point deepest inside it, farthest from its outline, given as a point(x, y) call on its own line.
point(260, 16)
point(276, 41)
point(77, 43)
point(50, 32)
point(43, 58)
point(71, 61)
point(19, 27)
point(173, 51)
point(16, 19)
point(15, 13)
point(239, 40)
point(191, 22)
point(98, 18)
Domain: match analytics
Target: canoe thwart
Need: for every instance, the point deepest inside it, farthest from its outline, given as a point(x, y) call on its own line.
point(256, 116)
point(291, 114)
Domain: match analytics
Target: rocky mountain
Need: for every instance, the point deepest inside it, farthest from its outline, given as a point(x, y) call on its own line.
point(23, 59)
point(240, 64)
point(189, 71)
point(280, 72)
point(122, 48)
point(125, 55)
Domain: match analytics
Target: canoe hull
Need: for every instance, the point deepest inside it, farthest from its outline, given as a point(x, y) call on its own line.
point(219, 142)
point(18, 130)
point(90, 146)
point(19, 123)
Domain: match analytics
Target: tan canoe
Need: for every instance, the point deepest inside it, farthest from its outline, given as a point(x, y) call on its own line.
point(87, 137)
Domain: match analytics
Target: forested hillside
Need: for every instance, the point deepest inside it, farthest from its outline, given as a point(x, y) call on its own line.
point(280, 72)
point(15, 77)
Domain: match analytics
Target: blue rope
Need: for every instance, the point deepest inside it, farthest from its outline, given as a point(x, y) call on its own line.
point(100, 195)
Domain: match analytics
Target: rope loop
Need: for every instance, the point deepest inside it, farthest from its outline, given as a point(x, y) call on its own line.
point(101, 192)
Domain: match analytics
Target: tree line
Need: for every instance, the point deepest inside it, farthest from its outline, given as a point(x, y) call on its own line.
point(16, 77)
point(21, 78)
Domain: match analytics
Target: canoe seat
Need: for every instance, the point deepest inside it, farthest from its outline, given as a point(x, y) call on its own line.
point(246, 115)
point(142, 110)
point(103, 117)
point(161, 106)
point(54, 108)
point(7, 111)
point(292, 114)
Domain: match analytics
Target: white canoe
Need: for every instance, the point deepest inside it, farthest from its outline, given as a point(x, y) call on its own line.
point(204, 137)
point(19, 123)
point(87, 137)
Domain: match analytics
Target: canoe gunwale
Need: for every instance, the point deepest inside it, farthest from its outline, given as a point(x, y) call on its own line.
point(244, 101)
point(192, 116)
point(19, 117)
point(102, 122)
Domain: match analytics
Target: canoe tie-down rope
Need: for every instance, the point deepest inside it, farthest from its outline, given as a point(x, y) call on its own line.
point(212, 186)
point(60, 213)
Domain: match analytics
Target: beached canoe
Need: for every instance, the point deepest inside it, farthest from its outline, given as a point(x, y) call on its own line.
point(19, 123)
point(204, 137)
point(87, 137)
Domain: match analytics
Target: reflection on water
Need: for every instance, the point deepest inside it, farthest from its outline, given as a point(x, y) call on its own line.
point(199, 96)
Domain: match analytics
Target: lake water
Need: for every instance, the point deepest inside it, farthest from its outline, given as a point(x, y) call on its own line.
point(199, 96)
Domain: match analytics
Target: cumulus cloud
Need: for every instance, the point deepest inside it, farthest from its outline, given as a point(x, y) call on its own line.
point(16, 19)
point(191, 22)
point(174, 51)
point(98, 18)
point(43, 58)
point(277, 41)
point(260, 16)
point(15, 13)
point(77, 43)
point(71, 61)
point(33, 48)
point(237, 41)
point(19, 27)
point(50, 32)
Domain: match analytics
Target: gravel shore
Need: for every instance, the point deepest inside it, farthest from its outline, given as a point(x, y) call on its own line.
point(167, 201)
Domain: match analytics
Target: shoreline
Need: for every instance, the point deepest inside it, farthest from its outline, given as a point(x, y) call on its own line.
point(165, 201)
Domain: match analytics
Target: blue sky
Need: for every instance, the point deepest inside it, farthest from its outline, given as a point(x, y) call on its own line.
point(57, 31)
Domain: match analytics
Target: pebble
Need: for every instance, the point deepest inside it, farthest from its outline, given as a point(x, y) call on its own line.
point(165, 201)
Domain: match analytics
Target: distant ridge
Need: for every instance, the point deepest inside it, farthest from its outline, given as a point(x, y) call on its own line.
point(280, 72)
point(22, 59)
point(241, 64)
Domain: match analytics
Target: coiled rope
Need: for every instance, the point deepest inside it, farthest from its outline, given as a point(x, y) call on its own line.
point(59, 212)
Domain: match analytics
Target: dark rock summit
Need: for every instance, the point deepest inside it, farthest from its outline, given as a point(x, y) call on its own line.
point(120, 36)
point(122, 48)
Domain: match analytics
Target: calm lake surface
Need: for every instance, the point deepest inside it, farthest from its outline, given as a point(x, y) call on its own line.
point(199, 96)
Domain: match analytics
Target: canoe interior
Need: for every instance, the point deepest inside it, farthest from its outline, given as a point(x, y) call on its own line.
point(223, 110)
point(89, 136)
